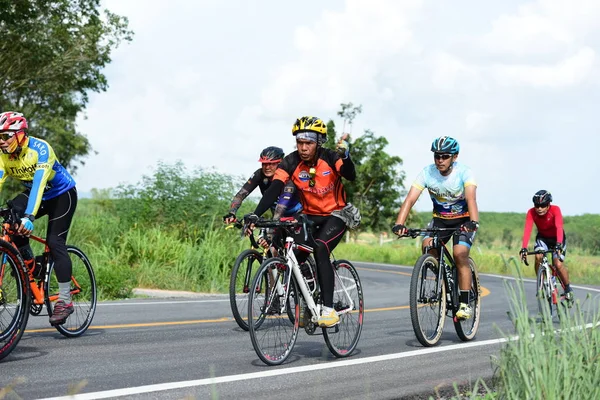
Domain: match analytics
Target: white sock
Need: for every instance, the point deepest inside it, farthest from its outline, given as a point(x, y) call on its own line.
point(64, 292)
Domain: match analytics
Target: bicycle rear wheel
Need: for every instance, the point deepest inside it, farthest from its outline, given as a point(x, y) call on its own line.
point(348, 300)
point(466, 329)
point(427, 301)
point(272, 331)
point(83, 294)
point(544, 293)
point(14, 299)
point(239, 285)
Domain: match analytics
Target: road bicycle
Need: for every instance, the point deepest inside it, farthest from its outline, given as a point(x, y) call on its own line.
point(434, 292)
point(286, 288)
point(547, 284)
point(247, 262)
point(25, 289)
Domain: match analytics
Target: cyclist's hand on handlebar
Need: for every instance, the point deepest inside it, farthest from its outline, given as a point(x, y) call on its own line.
point(399, 230)
point(26, 227)
point(558, 248)
point(263, 242)
point(229, 218)
point(470, 226)
point(523, 254)
point(249, 220)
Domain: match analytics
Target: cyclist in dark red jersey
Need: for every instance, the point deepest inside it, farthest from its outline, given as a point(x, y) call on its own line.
point(288, 203)
point(550, 235)
point(317, 174)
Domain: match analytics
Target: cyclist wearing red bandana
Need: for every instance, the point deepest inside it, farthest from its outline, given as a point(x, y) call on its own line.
point(49, 190)
point(548, 220)
point(317, 174)
point(287, 204)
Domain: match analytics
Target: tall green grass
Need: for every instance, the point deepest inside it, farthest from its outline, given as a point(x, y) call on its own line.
point(166, 232)
point(552, 358)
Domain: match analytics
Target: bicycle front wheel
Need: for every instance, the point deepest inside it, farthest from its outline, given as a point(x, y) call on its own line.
point(272, 331)
point(14, 299)
point(83, 294)
point(466, 329)
point(427, 301)
point(240, 283)
point(544, 292)
point(348, 302)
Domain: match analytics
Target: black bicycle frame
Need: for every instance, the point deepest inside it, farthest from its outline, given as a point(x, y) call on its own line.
point(447, 268)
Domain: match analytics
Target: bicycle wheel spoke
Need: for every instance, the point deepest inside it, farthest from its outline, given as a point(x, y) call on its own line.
point(14, 301)
point(273, 330)
point(427, 301)
point(240, 283)
point(467, 328)
point(348, 302)
point(83, 294)
point(544, 294)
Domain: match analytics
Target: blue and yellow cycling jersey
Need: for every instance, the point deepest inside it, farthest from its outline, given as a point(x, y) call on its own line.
point(447, 192)
point(38, 169)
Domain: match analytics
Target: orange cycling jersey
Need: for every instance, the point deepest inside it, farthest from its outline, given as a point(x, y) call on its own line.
point(321, 192)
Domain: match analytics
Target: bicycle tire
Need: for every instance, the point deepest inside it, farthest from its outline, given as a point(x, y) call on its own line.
point(423, 298)
point(343, 338)
point(239, 285)
point(15, 298)
point(274, 339)
point(467, 329)
point(544, 294)
point(84, 301)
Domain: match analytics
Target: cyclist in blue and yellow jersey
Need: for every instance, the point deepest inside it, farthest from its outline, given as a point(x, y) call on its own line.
point(49, 190)
point(452, 188)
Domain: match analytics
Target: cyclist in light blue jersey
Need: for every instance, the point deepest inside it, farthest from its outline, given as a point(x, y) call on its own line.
point(452, 188)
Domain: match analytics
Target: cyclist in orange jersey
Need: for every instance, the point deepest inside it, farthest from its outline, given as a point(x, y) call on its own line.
point(317, 174)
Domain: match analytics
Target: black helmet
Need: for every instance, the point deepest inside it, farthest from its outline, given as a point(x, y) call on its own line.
point(271, 154)
point(542, 198)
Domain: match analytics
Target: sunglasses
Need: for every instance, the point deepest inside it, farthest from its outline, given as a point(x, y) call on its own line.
point(541, 205)
point(312, 172)
point(6, 135)
point(441, 156)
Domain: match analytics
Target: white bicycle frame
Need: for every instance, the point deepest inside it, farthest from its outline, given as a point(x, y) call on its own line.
point(549, 281)
point(294, 266)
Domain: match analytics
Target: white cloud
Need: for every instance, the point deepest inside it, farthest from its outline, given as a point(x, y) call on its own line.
point(212, 83)
point(476, 120)
point(570, 71)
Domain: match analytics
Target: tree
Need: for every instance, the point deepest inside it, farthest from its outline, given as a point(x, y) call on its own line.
point(52, 56)
point(348, 113)
point(379, 183)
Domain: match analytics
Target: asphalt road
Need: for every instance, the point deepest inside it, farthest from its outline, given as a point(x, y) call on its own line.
point(191, 348)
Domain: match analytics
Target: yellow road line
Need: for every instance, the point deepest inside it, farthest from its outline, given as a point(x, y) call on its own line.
point(385, 270)
point(484, 292)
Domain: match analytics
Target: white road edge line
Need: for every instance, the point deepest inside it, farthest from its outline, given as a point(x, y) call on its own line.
point(277, 372)
point(512, 278)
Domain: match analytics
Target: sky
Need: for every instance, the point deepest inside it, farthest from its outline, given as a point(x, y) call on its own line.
point(211, 83)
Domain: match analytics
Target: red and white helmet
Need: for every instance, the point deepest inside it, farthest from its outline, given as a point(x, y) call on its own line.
point(12, 121)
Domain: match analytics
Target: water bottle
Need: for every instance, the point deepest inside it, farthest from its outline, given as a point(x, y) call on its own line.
point(553, 278)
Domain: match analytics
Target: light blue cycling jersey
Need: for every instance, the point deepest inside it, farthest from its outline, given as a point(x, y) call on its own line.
point(447, 192)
